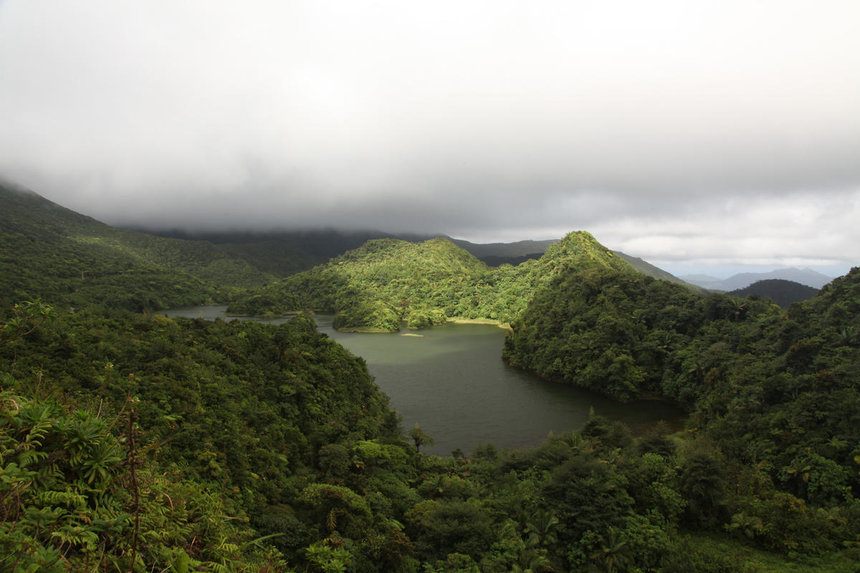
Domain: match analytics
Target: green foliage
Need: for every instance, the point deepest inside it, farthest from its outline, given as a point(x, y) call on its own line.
point(269, 446)
point(450, 527)
point(328, 558)
point(702, 483)
point(627, 335)
point(588, 495)
point(770, 389)
point(377, 286)
point(66, 501)
point(242, 408)
point(420, 437)
point(25, 319)
point(247, 446)
point(62, 257)
point(387, 281)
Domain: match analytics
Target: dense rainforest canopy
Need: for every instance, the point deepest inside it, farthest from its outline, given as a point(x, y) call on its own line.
point(130, 441)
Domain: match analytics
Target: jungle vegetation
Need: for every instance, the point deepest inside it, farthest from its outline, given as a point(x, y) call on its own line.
point(387, 282)
point(134, 442)
point(49, 251)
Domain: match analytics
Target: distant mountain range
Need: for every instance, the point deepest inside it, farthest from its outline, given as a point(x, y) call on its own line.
point(806, 277)
point(284, 253)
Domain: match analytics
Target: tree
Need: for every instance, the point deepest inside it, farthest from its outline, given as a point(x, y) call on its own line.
point(26, 318)
point(420, 437)
point(702, 483)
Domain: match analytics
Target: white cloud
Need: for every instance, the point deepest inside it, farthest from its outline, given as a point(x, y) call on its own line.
point(673, 130)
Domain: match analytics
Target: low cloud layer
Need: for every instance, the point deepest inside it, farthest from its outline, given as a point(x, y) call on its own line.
point(681, 132)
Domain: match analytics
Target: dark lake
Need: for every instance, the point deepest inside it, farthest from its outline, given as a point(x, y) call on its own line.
point(452, 381)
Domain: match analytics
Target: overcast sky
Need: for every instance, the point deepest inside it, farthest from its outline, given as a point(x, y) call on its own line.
point(688, 133)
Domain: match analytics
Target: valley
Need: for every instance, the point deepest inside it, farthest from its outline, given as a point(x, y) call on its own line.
point(131, 440)
point(452, 382)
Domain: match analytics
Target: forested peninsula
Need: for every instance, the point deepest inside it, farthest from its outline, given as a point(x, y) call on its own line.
point(130, 441)
point(389, 283)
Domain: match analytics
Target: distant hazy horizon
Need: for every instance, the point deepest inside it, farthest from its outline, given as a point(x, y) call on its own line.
point(719, 271)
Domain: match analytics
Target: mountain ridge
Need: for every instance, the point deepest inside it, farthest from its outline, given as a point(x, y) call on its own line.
point(804, 276)
point(387, 281)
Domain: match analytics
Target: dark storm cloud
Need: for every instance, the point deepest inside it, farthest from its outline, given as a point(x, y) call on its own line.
point(673, 130)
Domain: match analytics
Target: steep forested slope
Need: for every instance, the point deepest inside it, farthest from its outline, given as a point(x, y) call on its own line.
point(650, 270)
point(775, 391)
point(51, 252)
point(242, 411)
point(284, 253)
point(617, 333)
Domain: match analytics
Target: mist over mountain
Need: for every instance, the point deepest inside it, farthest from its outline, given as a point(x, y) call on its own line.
point(75, 257)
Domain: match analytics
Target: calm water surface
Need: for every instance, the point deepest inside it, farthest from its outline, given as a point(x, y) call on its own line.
point(452, 381)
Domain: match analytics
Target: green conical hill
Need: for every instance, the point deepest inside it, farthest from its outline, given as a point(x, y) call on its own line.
point(580, 250)
point(380, 258)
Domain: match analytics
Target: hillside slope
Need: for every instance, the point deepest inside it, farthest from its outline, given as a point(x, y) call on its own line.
point(650, 270)
point(774, 390)
point(285, 253)
point(51, 252)
point(376, 286)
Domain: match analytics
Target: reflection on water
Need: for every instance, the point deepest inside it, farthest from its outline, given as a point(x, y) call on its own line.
point(453, 382)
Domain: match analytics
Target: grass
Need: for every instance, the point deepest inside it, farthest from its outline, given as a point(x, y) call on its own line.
point(753, 560)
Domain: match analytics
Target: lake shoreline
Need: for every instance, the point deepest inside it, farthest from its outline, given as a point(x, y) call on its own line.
point(489, 321)
point(451, 380)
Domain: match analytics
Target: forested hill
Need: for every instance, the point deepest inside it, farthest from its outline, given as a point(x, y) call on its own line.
point(387, 281)
point(51, 252)
point(780, 291)
point(774, 390)
point(377, 285)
